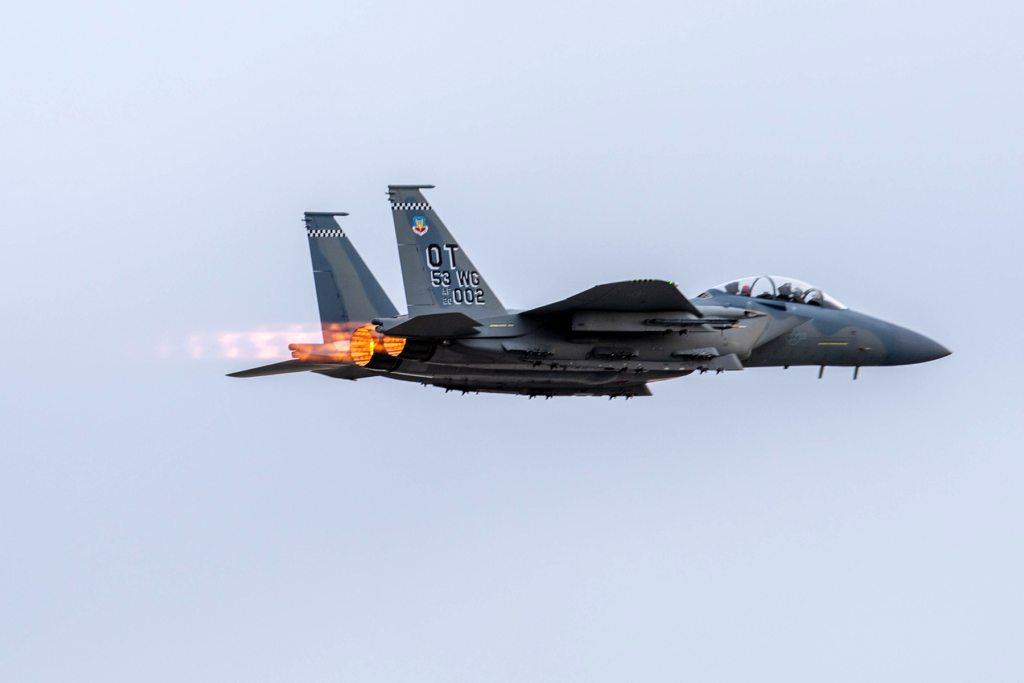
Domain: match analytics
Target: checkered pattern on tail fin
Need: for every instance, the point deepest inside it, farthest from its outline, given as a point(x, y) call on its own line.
point(438, 274)
point(346, 290)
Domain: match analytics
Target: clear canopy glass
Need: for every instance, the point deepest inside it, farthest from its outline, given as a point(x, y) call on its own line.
point(778, 288)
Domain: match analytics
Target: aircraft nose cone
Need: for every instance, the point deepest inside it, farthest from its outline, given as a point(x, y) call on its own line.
point(910, 347)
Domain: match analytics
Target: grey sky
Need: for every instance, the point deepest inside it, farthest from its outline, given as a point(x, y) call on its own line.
point(164, 523)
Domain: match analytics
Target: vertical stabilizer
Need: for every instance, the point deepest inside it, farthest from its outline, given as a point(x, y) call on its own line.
point(346, 290)
point(437, 272)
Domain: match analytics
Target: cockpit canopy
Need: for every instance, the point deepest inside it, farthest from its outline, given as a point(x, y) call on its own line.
point(777, 288)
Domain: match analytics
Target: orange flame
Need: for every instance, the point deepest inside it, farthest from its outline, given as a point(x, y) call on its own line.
point(266, 343)
point(394, 345)
point(365, 342)
point(354, 342)
point(362, 344)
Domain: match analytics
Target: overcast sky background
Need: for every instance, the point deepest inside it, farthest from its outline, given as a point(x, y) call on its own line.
point(160, 522)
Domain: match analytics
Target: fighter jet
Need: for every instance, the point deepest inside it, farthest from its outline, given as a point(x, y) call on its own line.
point(612, 340)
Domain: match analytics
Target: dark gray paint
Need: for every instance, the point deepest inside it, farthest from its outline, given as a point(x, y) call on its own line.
point(611, 340)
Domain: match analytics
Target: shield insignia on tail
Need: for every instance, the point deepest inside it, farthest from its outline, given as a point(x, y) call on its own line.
point(419, 225)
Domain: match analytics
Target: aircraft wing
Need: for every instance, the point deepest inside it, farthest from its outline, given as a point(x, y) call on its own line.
point(433, 326)
point(632, 295)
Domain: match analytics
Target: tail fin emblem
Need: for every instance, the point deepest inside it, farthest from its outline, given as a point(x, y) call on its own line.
point(419, 225)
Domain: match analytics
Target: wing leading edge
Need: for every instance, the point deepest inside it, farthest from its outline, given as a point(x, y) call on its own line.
point(632, 295)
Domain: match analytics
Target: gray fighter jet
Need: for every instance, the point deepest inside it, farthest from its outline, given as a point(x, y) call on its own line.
point(611, 340)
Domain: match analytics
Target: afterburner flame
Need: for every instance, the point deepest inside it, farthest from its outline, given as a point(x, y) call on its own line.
point(343, 346)
point(394, 345)
point(267, 343)
point(350, 342)
point(362, 344)
point(366, 341)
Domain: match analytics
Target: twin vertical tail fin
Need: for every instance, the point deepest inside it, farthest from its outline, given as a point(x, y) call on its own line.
point(438, 274)
point(346, 291)
point(439, 277)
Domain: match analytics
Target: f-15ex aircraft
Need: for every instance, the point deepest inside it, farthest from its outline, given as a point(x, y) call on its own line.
point(611, 340)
